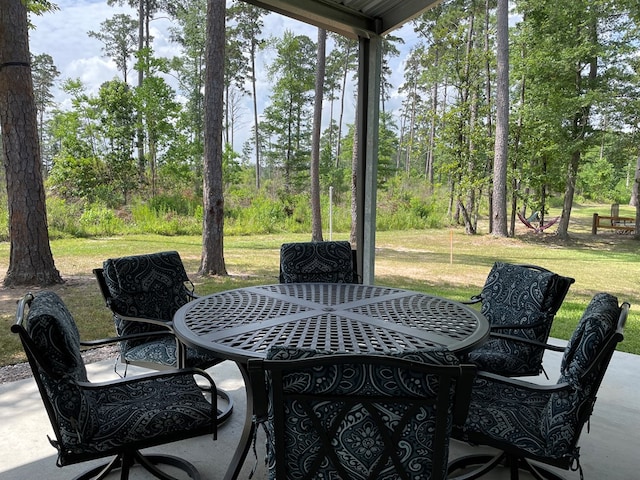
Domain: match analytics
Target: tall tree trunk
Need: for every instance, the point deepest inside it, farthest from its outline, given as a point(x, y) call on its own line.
point(140, 133)
point(570, 187)
point(30, 257)
point(342, 96)
point(316, 215)
point(354, 190)
point(635, 198)
point(499, 194)
point(212, 262)
point(432, 126)
point(255, 109)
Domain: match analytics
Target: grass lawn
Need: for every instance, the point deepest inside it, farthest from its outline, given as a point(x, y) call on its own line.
point(445, 262)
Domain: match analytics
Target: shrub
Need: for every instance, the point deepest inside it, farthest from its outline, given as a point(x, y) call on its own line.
point(98, 220)
point(63, 218)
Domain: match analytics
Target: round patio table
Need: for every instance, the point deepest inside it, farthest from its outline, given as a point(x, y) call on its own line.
point(339, 317)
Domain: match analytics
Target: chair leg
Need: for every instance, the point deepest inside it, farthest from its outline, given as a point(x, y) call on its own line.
point(127, 460)
point(539, 472)
point(224, 413)
point(101, 471)
point(485, 463)
point(149, 462)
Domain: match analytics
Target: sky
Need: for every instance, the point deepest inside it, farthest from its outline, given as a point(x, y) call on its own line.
point(63, 35)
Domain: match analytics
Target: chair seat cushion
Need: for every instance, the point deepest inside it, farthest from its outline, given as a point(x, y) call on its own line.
point(507, 357)
point(163, 350)
point(147, 411)
point(508, 414)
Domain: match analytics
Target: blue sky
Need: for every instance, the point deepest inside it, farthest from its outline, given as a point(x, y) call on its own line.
point(63, 35)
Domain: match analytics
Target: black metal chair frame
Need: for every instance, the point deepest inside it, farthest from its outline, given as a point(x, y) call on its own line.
point(223, 414)
point(461, 374)
point(564, 283)
point(517, 459)
point(124, 457)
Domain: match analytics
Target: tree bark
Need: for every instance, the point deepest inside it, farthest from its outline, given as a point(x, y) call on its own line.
point(499, 194)
point(316, 214)
point(635, 197)
point(212, 262)
point(30, 258)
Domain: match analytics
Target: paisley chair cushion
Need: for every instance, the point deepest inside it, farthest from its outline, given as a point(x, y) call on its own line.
point(316, 262)
point(360, 443)
point(148, 286)
point(156, 408)
point(55, 335)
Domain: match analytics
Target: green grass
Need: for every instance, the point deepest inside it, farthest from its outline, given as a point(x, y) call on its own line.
point(444, 262)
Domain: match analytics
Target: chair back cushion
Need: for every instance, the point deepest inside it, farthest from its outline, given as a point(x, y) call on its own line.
point(597, 325)
point(568, 410)
point(405, 402)
point(516, 295)
point(56, 339)
point(519, 301)
point(317, 262)
point(148, 286)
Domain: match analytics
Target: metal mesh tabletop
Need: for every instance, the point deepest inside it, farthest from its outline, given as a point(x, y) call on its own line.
point(244, 323)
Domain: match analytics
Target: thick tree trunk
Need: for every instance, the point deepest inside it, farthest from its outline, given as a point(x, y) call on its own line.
point(212, 262)
point(570, 187)
point(499, 200)
point(316, 213)
point(30, 258)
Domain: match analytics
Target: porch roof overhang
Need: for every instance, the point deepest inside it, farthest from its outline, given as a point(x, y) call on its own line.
point(367, 21)
point(352, 18)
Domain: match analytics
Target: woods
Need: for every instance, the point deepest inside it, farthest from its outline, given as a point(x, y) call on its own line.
point(500, 112)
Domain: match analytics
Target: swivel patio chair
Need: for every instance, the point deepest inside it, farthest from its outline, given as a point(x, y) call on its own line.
point(357, 417)
point(542, 423)
point(326, 262)
point(114, 418)
point(143, 293)
point(520, 303)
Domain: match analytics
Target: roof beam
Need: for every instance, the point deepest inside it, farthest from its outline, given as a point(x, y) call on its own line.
point(328, 15)
point(398, 16)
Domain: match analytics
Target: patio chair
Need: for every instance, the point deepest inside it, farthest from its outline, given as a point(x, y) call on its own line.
point(114, 418)
point(357, 417)
point(520, 303)
point(327, 262)
point(143, 293)
point(542, 423)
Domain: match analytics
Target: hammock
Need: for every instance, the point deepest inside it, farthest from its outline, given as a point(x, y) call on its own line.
point(540, 228)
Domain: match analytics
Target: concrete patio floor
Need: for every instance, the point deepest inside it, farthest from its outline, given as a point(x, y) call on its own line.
point(608, 452)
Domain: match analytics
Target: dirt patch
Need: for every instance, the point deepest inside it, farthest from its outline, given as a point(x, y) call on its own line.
point(9, 298)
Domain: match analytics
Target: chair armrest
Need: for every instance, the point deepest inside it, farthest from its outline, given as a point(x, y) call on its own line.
point(473, 300)
point(154, 321)
point(522, 384)
point(527, 341)
point(150, 376)
point(134, 336)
